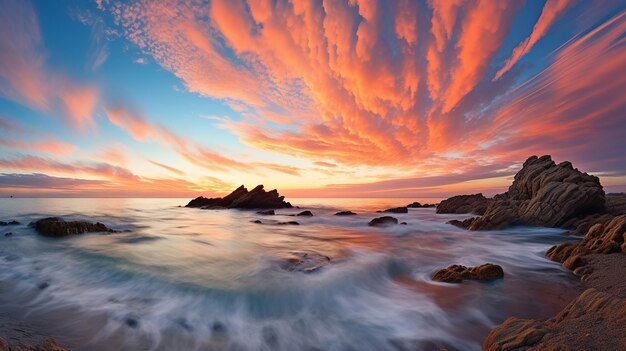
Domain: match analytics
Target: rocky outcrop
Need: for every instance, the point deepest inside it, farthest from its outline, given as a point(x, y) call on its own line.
point(396, 210)
point(306, 262)
point(345, 213)
point(595, 320)
point(542, 194)
point(476, 204)
point(604, 237)
point(57, 227)
point(382, 221)
point(47, 345)
point(267, 213)
point(457, 273)
point(305, 214)
point(244, 199)
point(3, 223)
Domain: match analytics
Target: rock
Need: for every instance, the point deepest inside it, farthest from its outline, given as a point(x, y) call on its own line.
point(288, 223)
point(8, 233)
point(457, 273)
point(47, 345)
point(43, 286)
point(267, 213)
point(305, 214)
point(476, 204)
point(544, 194)
point(397, 210)
point(345, 213)
point(244, 199)
point(414, 205)
point(382, 221)
point(306, 262)
point(57, 227)
point(465, 224)
point(4, 345)
point(605, 237)
point(593, 321)
point(131, 322)
point(3, 223)
point(403, 223)
point(257, 221)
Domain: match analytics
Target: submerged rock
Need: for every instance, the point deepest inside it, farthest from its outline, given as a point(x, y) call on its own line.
point(267, 213)
point(457, 273)
point(306, 262)
point(8, 233)
point(476, 204)
point(396, 210)
point(257, 221)
point(57, 227)
point(383, 221)
point(305, 214)
point(595, 320)
point(345, 213)
point(13, 222)
point(244, 199)
point(288, 223)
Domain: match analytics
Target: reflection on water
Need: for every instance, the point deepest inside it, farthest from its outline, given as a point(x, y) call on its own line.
point(190, 279)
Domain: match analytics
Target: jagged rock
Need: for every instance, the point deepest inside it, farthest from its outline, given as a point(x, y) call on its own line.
point(305, 214)
point(242, 198)
point(57, 227)
point(465, 224)
point(457, 273)
point(543, 194)
point(593, 321)
point(603, 237)
point(345, 213)
point(476, 204)
point(382, 221)
point(267, 213)
point(396, 210)
point(13, 222)
point(306, 262)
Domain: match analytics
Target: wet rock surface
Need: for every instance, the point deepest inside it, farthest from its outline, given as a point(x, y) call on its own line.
point(267, 213)
point(396, 210)
point(58, 227)
point(595, 320)
point(12, 222)
point(345, 213)
point(243, 199)
point(457, 273)
point(383, 221)
point(305, 214)
point(476, 204)
point(419, 205)
point(47, 345)
point(306, 262)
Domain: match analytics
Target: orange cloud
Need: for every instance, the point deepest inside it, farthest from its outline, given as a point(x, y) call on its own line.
point(551, 11)
point(168, 168)
point(49, 146)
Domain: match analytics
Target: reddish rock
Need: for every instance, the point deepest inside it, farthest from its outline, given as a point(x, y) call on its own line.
point(457, 273)
point(47, 345)
point(242, 198)
point(382, 221)
point(306, 262)
point(57, 227)
point(593, 321)
point(476, 204)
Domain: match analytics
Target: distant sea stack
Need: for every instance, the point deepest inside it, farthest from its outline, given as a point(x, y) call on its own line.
point(243, 199)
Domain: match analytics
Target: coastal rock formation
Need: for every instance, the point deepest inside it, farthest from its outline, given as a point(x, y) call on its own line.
point(267, 213)
point(476, 204)
point(457, 273)
point(396, 210)
point(57, 227)
point(382, 221)
point(305, 214)
point(345, 213)
point(542, 194)
point(47, 345)
point(3, 223)
point(595, 320)
point(244, 199)
point(306, 262)
point(604, 237)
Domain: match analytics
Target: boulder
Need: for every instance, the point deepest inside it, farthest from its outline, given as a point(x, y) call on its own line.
point(465, 224)
point(397, 210)
point(3, 223)
point(345, 213)
point(57, 227)
point(305, 214)
point(244, 199)
point(267, 213)
point(382, 221)
point(457, 273)
point(476, 204)
point(306, 262)
point(414, 205)
point(595, 320)
point(47, 345)
point(288, 223)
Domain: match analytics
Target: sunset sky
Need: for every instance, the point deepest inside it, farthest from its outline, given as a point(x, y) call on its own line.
point(315, 98)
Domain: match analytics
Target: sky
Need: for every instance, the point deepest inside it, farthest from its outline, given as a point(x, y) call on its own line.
point(320, 98)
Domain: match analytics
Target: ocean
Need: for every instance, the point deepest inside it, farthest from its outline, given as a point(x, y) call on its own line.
point(179, 278)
